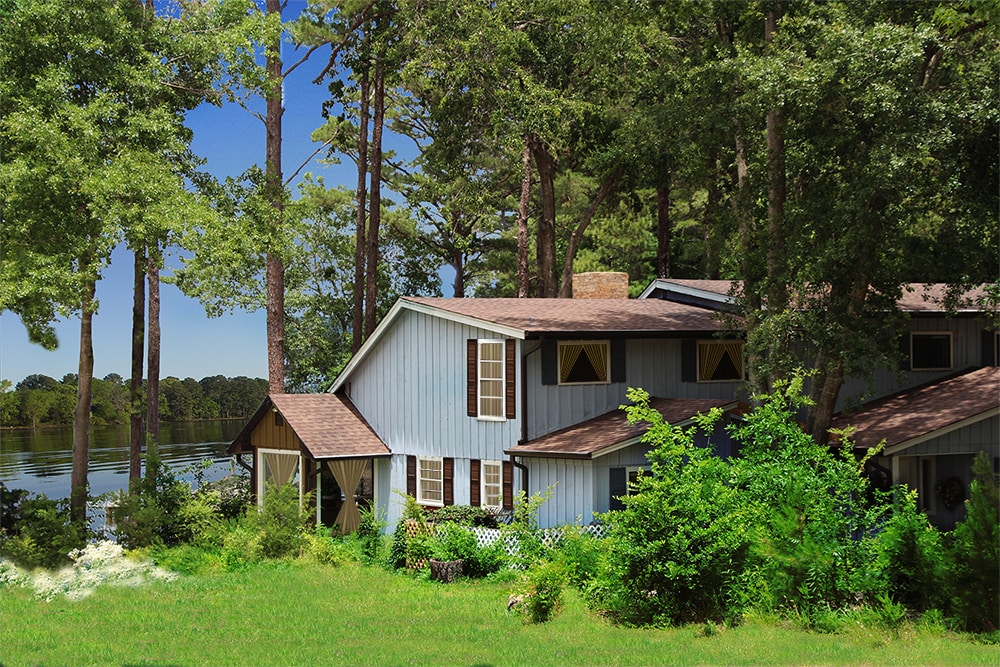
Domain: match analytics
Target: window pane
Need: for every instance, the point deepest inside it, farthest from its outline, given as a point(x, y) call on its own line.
point(931, 351)
point(719, 362)
point(429, 481)
point(581, 363)
point(492, 484)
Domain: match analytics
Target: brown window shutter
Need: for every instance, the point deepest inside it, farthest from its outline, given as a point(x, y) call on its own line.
point(510, 373)
point(508, 485)
point(472, 377)
point(474, 484)
point(448, 482)
point(411, 476)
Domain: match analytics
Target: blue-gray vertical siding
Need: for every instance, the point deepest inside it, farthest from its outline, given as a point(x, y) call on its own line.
point(411, 389)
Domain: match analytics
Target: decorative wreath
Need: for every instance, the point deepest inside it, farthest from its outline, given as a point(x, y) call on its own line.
point(952, 492)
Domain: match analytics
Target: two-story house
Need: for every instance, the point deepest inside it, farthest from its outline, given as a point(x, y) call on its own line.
point(466, 401)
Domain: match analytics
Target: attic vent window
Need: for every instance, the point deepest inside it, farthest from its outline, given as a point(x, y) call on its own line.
point(930, 351)
point(278, 419)
point(585, 362)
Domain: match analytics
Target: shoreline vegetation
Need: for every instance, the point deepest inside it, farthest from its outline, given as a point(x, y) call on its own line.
point(40, 401)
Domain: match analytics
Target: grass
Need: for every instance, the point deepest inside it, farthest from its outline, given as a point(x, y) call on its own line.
point(296, 613)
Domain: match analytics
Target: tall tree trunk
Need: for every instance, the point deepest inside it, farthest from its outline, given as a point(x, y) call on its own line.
point(361, 221)
point(135, 383)
point(777, 297)
point(566, 283)
point(275, 194)
point(153, 363)
point(522, 224)
point(826, 402)
point(81, 415)
point(546, 240)
point(375, 199)
point(664, 228)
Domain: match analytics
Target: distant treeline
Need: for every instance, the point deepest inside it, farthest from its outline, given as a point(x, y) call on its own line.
point(39, 400)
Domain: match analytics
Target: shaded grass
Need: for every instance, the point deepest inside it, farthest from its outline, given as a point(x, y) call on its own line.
point(307, 614)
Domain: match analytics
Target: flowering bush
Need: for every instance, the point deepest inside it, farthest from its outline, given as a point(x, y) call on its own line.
point(92, 566)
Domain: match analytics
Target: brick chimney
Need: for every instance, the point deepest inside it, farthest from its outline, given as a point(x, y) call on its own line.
point(600, 285)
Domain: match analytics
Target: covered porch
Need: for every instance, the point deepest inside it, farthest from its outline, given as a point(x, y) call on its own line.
point(320, 443)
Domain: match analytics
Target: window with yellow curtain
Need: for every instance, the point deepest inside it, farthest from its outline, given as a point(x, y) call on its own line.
point(720, 361)
point(584, 362)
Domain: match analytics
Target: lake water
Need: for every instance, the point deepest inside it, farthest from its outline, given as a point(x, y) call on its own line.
point(41, 460)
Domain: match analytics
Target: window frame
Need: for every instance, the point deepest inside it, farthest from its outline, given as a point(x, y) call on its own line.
point(606, 343)
point(630, 473)
point(483, 485)
point(481, 378)
point(697, 361)
point(951, 350)
point(421, 498)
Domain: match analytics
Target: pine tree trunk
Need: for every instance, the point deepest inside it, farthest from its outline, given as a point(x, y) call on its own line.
point(522, 224)
point(275, 193)
point(375, 202)
point(81, 415)
point(135, 382)
point(663, 228)
point(546, 241)
point(361, 221)
point(153, 364)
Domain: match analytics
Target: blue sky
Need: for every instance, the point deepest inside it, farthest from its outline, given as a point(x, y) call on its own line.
point(193, 345)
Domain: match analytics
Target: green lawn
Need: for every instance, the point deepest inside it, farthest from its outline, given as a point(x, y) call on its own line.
point(302, 614)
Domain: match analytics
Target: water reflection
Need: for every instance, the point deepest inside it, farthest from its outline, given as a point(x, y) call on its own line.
point(41, 460)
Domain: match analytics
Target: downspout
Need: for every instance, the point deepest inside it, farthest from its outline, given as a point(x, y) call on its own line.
point(524, 474)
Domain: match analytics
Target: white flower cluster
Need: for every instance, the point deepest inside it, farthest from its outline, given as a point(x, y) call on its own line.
point(94, 565)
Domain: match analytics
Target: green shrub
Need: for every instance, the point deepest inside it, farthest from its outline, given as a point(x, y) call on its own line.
point(150, 512)
point(464, 515)
point(325, 549)
point(677, 550)
point(38, 531)
point(541, 596)
point(806, 506)
point(975, 553)
point(241, 547)
point(281, 521)
point(369, 534)
point(911, 556)
point(581, 554)
point(231, 495)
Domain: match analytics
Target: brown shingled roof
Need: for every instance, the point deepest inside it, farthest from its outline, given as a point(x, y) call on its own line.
point(920, 413)
point(328, 426)
point(600, 435)
point(580, 316)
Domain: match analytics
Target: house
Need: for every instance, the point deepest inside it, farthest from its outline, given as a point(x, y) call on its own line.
point(934, 412)
point(468, 401)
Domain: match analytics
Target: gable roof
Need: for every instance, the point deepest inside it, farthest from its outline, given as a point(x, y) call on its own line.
point(915, 415)
point(916, 299)
point(537, 318)
point(327, 425)
point(611, 431)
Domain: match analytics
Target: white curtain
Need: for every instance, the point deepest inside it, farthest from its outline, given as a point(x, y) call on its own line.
point(348, 473)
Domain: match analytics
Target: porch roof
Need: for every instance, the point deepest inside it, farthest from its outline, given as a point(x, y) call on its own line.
point(912, 416)
point(328, 426)
point(611, 431)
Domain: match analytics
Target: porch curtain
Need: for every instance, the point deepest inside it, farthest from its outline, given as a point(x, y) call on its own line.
point(348, 473)
point(282, 466)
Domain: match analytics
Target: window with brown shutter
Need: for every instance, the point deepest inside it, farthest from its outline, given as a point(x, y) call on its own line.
point(508, 485)
point(474, 482)
point(491, 367)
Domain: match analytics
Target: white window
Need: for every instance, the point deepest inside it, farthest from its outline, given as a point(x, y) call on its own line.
point(491, 379)
point(720, 361)
point(430, 481)
point(279, 467)
point(631, 475)
point(584, 362)
point(491, 481)
point(930, 351)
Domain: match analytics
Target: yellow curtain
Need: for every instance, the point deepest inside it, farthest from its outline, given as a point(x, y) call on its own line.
point(348, 473)
point(710, 354)
point(282, 466)
point(568, 355)
point(597, 353)
point(735, 351)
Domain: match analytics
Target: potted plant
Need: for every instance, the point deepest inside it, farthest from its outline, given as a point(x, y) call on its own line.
point(450, 545)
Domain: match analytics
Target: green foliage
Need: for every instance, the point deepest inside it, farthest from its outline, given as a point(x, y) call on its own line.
point(975, 553)
point(151, 512)
point(369, 534)
point(464, 515)
point(230, 496)
point(37, 531)
point(542, 591)
point(806, 507)
point(581, 554)
point(911, 554)
point(281, 522)
point(679, 546)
